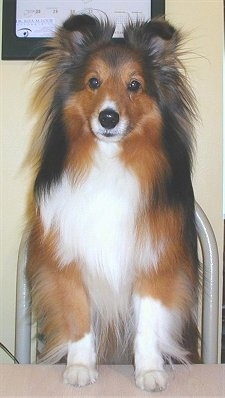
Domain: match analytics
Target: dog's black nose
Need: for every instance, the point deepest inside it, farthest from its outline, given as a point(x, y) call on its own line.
point(108, 118)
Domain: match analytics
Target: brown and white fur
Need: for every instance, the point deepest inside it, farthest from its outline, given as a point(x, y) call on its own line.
point(112, 246)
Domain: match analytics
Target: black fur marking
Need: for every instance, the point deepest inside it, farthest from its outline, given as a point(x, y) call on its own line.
point(83, 33)
point(150, 36)
point(53, 157)
point(80, 23)
point(159, 28)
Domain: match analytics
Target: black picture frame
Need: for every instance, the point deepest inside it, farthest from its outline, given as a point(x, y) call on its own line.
point(15, 48)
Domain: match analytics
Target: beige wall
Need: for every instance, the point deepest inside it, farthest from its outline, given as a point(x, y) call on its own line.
point(204, 20)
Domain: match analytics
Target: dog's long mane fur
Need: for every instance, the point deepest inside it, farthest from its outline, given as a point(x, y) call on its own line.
point(160, 50)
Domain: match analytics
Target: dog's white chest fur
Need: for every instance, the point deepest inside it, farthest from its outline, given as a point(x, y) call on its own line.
point(96, 218)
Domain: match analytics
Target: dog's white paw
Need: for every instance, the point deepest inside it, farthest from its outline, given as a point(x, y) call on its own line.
point(79, 375)
point(152, 380)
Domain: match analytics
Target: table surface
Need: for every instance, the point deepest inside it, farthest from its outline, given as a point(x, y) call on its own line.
point(113, 381)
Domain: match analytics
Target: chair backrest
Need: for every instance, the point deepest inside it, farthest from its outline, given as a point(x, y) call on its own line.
point(210, 286)
point(210, 299)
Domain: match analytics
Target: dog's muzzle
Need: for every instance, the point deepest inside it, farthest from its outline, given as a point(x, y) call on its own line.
point(108, 125)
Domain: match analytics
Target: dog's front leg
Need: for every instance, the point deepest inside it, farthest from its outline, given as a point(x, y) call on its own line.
point(149, 371)
point(81, 362)
point(81, 355)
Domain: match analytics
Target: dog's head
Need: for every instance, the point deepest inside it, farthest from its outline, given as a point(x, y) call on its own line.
point(114, 82)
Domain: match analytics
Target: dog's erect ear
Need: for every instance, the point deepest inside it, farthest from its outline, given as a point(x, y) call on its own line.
point(155, 37)
point(160, 29)
point(80, 23)
point(85, 31)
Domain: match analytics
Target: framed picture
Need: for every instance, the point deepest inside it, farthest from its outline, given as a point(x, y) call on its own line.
point(27, 24)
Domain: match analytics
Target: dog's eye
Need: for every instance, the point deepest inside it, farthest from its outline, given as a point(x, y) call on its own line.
point(94, 83)
point(134, 86)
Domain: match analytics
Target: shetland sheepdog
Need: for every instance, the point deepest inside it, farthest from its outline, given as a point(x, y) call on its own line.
point(112, 249)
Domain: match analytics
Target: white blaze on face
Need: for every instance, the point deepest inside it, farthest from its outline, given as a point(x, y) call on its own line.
point(106, 131)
